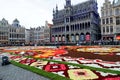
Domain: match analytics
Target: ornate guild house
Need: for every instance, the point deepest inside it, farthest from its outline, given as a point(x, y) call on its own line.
point(110, 20)
point(76, 23)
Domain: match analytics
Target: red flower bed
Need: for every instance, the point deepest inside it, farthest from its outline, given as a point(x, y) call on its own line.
point(55, 67)
point(15, 57)
point(31, 53)
point(60, 51)
point(27, 61)
point(116, 78)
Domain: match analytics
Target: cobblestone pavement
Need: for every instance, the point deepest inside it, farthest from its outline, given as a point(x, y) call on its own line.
point(11, 72)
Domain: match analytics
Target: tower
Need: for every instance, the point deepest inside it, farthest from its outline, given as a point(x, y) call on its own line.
point(68, 3)
point(56, 8)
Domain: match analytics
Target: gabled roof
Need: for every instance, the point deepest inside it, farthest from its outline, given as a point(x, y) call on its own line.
point(16, 20)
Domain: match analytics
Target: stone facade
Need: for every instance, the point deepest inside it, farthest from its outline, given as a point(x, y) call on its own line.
point(76, 23)
point(16, 33)
point(47, 32)
point(110, 20)
point(37, 35)
point(27, 36)
point(4, 31)
point(11, 34)
point(41, 34)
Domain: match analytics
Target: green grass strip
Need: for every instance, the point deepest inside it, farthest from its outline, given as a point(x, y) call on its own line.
point(49, 75)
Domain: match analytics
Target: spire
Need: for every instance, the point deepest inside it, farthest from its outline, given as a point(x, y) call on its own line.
point(53, 11)
point(68, 3)
point(56, 8)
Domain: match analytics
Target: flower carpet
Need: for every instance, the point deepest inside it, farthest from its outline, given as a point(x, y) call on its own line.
point(66, 54)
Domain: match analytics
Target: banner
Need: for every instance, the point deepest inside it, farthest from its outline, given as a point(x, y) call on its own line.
point(118, 37)
point(82, 37)
point(59, 38)
point(63, 38)
point(73, 38)
point(53, 39)
point(88, 37)
point(56, 38)
point(77, 37)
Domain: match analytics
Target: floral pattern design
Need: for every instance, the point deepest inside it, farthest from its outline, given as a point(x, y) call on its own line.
point(72, 72)
point(82, 74)
point(55, 67)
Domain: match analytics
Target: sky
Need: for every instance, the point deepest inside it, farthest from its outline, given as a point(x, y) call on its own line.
point(33, 13)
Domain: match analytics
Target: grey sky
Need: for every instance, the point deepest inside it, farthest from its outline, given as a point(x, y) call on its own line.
point(33, 13)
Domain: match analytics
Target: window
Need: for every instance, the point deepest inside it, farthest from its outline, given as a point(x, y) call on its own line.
point(75, 27)
point(106, 6)
point(103, 29)
point(111, 29)
point(117, 20)
point(111, 12)
point(111, 20)
point(115, 1)
point(67, 19)
point(103, 14)
point(107, 29)
point(67, 28)
point(103, 21)
point(71, 27)
point(117, 11)
point(106, 12)
point(67, 11)
point(107, 21)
